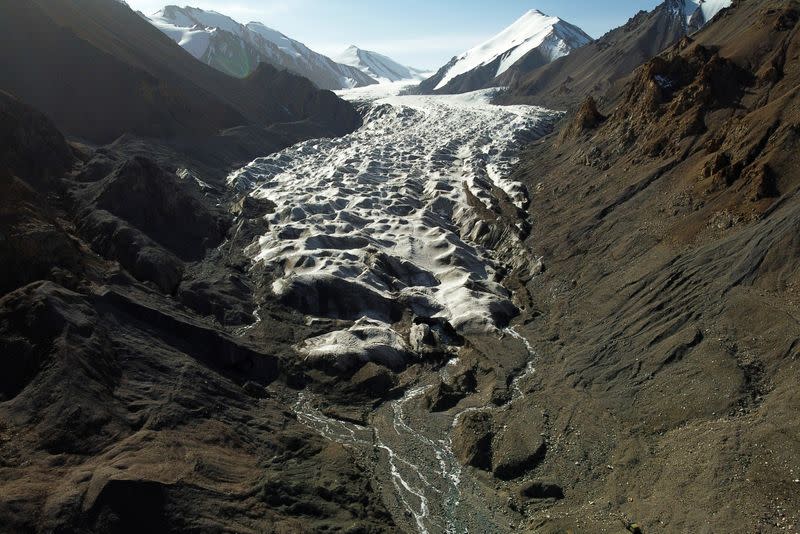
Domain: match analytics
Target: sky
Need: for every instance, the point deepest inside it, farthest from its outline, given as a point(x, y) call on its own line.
point(419, 33)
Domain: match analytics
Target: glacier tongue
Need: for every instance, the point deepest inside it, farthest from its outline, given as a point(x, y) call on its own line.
point(377, 224)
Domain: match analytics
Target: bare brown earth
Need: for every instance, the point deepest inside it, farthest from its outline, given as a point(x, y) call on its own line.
point(667, 318)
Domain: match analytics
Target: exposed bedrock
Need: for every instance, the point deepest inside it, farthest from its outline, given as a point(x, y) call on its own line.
point(148, 219)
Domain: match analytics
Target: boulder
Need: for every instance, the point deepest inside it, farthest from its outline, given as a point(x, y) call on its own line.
point(539, 490)
point(472, 439)
point(519, 447)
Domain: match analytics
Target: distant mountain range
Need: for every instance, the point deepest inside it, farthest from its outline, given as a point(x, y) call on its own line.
point(237, 49)
point(378, 66)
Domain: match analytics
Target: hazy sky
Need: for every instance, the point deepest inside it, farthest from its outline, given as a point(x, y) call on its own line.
point(419, 33)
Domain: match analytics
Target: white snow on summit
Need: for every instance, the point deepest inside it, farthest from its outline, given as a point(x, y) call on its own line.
point(380, 67)
point(237, 48)
point(193, 39)
point(532, 30)
point(709, 8)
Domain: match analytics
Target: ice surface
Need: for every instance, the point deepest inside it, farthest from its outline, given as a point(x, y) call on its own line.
point(377, 222)
point(711, 7)
point(193, 40)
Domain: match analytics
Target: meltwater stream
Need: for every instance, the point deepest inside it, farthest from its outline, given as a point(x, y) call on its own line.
point(383, 221)
point(429, 483)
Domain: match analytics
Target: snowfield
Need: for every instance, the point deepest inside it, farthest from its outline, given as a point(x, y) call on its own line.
point(374, 225)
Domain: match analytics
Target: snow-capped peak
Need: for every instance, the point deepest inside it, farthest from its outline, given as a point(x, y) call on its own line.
point(698, 13)
point(237, 49)
point(378, 66)
point(533, 30)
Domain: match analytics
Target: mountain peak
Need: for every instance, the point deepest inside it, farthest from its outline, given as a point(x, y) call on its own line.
point(534, 12)
point(237, 49)
point(376, 65)
point(533, 30)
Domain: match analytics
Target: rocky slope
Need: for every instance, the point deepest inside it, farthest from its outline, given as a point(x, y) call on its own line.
point(598, 67)
point(237, 49)
point(534, 38)
point(666, 318)
point(129, 397)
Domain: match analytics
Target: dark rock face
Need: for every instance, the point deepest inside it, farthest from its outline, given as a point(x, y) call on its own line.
point(169, 211)
point(472, 440)
point(519, 447)
point(516, 454)
point(115, 239)
point(124, 402)
point(149, 220)
point(33, 243)
point(121, 408)
point(376, 380)
point(33, 155)
point(446, 395)
point(30, 145)
point(541, 490)
point(673, 281)
point(586, 119)
point(329, 296)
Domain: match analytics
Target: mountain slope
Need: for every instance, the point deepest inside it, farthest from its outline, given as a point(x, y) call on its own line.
point(667, 316)
point(593, 69)
point(142, 83)
point(548, 38)
point(237, 49)
point(377, 66)
point(142, 396)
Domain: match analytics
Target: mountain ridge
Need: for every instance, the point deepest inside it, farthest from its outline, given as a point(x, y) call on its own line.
point(377, 66)
point(534, 33)
point(236, 48)
point(147, 86)
point(596, 68)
